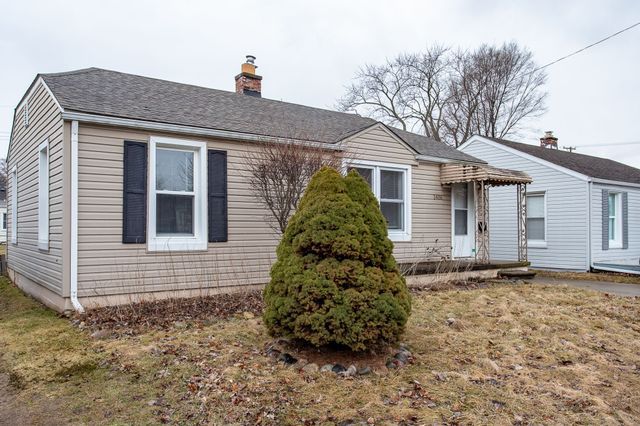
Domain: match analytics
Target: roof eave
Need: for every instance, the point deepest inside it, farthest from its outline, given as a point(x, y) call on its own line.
point(188, 130)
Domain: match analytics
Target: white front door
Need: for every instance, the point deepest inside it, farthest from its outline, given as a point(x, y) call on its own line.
point(463, 220)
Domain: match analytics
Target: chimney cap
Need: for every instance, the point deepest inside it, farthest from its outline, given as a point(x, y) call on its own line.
point(251, 59)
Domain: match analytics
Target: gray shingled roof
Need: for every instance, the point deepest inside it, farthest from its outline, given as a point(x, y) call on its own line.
point(595, 167)
point(116, 94)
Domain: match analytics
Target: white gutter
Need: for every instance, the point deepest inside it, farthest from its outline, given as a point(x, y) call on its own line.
point(614, 182)
point(74, 218)
point(189, 130)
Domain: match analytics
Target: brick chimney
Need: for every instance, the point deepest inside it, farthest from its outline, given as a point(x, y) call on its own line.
point(548, 140)
point(248, 82)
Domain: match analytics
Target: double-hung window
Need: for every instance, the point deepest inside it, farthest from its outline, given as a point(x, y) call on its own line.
point(390, 184)
point(536, 220)
point(177, 196)
point(43, 196)
point(615, 221)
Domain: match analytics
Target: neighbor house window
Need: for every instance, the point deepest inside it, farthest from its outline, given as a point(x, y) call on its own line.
point(536, 219)
point(43, 196)
point(4, 221)
point(615, 221)
point(14, 205)
point(177, 203)
point(390, 184)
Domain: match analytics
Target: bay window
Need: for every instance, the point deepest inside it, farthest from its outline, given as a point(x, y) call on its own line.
point(390, 183)
point(177, 195)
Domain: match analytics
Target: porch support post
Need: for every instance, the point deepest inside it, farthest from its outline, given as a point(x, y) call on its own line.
point(482, 222)
point(522, 222)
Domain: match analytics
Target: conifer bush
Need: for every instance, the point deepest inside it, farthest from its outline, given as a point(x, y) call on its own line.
point(335, 280)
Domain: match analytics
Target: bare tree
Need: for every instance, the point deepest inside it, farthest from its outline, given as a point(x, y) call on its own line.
point(279, 173)
point(378, 93)
point(449, 95)
point(4, 175)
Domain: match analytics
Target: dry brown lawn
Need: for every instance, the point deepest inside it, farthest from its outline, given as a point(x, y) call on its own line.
point(514, 355)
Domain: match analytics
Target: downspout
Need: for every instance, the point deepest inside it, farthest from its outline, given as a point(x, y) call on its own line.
point(589, 227)
point(74, 218)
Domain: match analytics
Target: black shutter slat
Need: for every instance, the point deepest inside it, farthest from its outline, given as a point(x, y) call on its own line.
point(217, 195)
point(134, 203)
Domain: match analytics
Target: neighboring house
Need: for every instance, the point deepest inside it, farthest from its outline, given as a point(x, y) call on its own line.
point(125, 187)
point(583, 212)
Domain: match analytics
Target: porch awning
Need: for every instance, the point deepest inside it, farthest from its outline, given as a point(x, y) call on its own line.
point(458, 173)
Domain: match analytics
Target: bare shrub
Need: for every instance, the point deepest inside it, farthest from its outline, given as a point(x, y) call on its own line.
point(279, 173)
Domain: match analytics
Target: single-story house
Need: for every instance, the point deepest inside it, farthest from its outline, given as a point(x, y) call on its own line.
point(125, 187)
point(583, 212)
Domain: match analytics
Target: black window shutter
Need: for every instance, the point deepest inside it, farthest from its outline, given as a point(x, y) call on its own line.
point(625, 220)
point(217, 195)
point(605, 219)
point(134, 203)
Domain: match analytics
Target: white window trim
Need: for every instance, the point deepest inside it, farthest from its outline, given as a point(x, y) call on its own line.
point(180, 243)
point(616, 243)
point(539, 243)
point(14, 205)
point(394, 235)
point(43, 195)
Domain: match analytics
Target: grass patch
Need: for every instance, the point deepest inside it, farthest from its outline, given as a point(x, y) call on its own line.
point(591, 276)
point(515, 354)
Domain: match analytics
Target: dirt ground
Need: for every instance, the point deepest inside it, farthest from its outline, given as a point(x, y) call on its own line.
point(503, 354)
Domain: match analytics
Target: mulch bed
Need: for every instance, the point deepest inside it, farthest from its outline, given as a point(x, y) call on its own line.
point(135, 318)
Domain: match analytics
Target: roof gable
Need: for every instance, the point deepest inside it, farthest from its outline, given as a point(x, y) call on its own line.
point(586, 165)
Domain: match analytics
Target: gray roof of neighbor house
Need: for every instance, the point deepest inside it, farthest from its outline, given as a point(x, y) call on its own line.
point(595, 167)
point(116, 94)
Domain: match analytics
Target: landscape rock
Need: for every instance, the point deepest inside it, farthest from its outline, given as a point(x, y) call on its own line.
point(287, 359)
point(338, 368)
point(402, 357)
point(326, 368)
point(351, 371)
point(101, 334)
point(393, 364)
point(451, 321)
point(310, 368)
point(364, 371)
point(273, 352)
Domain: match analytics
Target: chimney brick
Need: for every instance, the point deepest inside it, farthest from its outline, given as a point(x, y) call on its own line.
point(248, 82)
point(548, 140)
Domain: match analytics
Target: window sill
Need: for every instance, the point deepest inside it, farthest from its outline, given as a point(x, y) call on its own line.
point(43, 245)
point(615, 246)
point(537, 244)
point(176, 244)
point(399, 236)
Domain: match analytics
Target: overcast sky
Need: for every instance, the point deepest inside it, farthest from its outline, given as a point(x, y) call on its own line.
point(308, 51)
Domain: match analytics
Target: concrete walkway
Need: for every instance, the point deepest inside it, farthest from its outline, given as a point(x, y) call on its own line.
point(628, 290)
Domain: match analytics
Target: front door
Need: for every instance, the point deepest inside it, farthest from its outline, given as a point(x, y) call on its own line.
point(463, 223)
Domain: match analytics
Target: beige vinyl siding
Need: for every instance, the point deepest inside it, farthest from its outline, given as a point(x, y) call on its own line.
point(45, 122)
point(108, 267)
point(430, 201)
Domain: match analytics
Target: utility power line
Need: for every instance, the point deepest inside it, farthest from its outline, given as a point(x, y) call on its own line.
point(610, 144)
point(587, 47)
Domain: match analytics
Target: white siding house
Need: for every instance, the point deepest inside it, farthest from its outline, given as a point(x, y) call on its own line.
point(567, 219)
